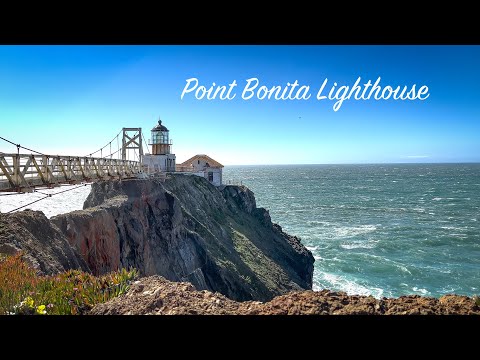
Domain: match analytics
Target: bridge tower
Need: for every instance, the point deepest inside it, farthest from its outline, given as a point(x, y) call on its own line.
point(132, 140)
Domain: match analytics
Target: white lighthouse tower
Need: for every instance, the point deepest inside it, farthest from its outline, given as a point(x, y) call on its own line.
point(161, 158)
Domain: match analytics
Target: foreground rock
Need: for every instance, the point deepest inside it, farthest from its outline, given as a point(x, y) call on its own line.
point(155, 295)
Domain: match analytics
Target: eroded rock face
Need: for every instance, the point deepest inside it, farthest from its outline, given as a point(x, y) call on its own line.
point(185, 229)
point(42, 244)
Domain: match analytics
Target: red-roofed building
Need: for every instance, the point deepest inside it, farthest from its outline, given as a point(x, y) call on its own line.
point(203, 165)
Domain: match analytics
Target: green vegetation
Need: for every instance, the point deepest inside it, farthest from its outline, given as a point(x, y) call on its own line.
point(73, 292)
point(256, 261)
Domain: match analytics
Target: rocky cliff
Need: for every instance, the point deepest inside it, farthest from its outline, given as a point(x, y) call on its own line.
point(184, 229)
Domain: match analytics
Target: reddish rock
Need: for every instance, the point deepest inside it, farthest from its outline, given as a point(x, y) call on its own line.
point(157, 296)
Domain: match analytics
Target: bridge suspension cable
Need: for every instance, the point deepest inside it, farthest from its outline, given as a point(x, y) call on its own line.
point(119, 148)
point(107, 144)
point(146, 144)
point(90, 155)
point(20, 146)
point(46, 196)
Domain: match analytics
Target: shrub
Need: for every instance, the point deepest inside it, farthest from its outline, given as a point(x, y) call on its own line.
point(72, 292)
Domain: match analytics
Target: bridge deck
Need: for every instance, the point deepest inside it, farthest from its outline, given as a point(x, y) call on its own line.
point(23, 172)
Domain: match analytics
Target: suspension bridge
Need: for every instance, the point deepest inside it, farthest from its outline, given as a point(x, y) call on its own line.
point(27, 169)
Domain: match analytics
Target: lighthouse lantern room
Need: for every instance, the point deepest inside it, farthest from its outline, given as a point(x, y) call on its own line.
point(160, 140)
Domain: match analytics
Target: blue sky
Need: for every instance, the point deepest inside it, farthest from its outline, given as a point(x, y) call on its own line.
point(74, 99)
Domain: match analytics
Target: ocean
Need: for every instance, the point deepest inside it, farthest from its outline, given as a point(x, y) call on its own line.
point(380, 230)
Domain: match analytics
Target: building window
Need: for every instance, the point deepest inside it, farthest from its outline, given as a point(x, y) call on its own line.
point(210, 176)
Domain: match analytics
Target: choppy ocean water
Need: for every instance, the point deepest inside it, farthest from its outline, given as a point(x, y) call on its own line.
point(381, 230)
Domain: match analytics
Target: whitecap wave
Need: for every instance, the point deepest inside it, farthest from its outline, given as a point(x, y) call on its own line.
point(421, 291)
point(339, 283)
point(359, 245)
point(351, 231)
point(451, 228)
point(384, 260)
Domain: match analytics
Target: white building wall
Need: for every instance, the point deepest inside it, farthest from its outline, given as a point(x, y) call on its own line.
point(217, 177)
point(216, 172)
point(159, 162)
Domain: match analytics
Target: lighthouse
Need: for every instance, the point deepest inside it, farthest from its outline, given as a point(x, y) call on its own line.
point(161, 157)
point(160, 140)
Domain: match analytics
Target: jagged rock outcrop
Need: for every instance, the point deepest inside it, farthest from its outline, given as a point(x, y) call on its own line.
point(186, 229)
point(42, 244)
point(155, 295)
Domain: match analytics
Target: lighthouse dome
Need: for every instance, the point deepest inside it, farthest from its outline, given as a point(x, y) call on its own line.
point(160, 127)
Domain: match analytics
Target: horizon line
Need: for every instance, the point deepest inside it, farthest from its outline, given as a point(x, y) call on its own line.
point(373, 163)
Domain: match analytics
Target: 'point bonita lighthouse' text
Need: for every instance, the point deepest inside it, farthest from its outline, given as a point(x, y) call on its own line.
point(296, 91)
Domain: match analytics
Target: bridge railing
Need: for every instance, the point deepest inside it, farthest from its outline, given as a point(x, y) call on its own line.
point(20, 172)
